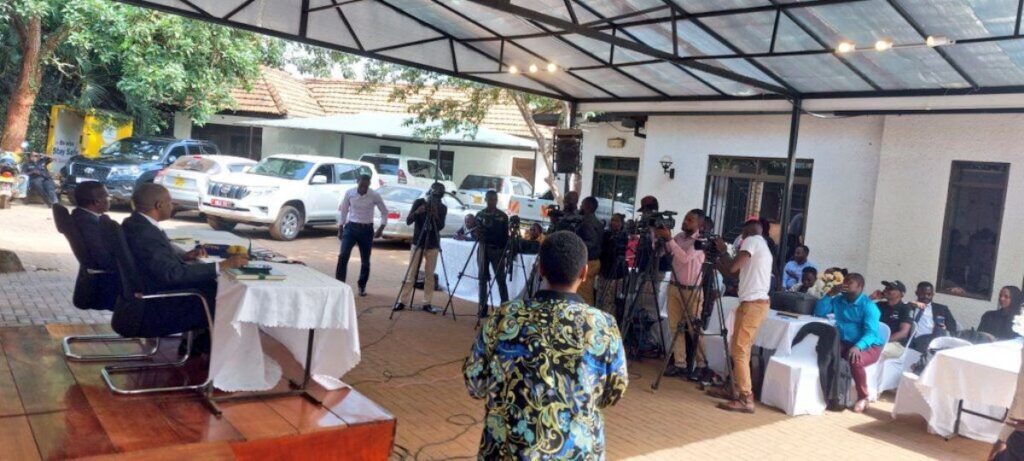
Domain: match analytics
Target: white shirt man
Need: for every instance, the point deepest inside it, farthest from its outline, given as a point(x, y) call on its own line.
point(355, 228)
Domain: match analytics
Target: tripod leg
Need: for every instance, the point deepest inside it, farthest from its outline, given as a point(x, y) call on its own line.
point(462, 273)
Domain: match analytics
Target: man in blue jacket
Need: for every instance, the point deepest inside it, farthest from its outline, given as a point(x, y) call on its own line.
point(857, 319)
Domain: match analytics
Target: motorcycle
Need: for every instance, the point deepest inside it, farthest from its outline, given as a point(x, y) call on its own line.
point(13, 184)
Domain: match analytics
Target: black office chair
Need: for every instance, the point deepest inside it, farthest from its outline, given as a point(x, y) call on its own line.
point(95, 289)
point(131, 305)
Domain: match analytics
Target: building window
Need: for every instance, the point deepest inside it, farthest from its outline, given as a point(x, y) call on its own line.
point(447, 162)
point(615, 183)
point(739, 187)
point(970, 236)
point(391, 150)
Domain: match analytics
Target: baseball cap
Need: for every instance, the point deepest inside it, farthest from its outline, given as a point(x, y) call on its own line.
point(896, 284)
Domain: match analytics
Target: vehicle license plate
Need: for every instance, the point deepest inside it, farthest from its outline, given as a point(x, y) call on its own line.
point(80, 180)
point(477, 200)
point(179, 182)
point(222, 203)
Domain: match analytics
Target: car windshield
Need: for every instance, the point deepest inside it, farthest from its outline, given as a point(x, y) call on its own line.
point(400, 194)
point(202, 165)
point(383, 165)
point(141, 149)
point(474, 182)
point(282, 168)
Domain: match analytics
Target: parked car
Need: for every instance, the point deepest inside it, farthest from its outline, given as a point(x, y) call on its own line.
point(129, 162)
point(399, 200)
point(515, 196)
point(401, 170)
point(187, 176)
point(285, 192)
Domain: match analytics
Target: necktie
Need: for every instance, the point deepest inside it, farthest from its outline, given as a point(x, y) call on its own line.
point(920, 313)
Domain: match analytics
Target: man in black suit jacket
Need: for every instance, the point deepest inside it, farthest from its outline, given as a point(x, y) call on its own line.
point(163, 267)
point(928, 327)
point(92, 202)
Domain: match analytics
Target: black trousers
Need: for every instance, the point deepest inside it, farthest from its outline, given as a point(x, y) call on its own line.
point(45, 188)
point(1014, 448)
point(355, 234)
point(490, 257)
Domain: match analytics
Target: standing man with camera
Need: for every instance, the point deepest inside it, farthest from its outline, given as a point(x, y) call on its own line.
point(591, 231)
point(427, 219)
point(492, 229)
point(685, 293)
point(355, 228)
point(753, 261)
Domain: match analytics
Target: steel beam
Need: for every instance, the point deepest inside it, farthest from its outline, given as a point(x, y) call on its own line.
point(787, 197)
point(920, 31)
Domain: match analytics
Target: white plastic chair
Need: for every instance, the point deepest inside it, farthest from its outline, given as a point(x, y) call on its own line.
point(893, 369)
point(874, 371)
point(947, 342)
point(791, 382)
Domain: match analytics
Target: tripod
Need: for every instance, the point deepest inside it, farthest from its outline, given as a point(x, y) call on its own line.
point(637, 281)
point(419, 254)
point(616, 286)
point(692, 325)
point(505, 260)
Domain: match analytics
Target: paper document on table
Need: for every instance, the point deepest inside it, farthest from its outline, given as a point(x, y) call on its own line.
point(239, 274)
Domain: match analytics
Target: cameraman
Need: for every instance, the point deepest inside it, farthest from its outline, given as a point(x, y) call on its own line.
point(685, 291)
point(492, 233)
point(427, 218)
point(571, 200)
point(591, 231)
point(754, 264)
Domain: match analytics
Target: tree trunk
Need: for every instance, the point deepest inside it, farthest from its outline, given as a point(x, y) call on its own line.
point(577, 178)
point(542, 145)
point(24, 95)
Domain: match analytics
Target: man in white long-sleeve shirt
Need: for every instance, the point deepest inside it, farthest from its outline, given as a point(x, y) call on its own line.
point(355, 227)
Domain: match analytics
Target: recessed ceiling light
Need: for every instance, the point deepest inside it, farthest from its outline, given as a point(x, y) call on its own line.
point(845, 47)
point(882, 45)
point(513, 70)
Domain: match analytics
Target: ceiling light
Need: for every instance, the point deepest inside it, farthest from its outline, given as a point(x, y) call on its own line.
point(883, 45)
point(846, 47)
point(533, 68)
point(513, 70)
point(552, 67)
point(938, 40)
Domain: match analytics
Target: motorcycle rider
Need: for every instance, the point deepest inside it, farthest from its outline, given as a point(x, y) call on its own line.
point(39, 178)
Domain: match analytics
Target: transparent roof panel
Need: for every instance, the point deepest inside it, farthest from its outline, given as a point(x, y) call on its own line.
point(525, 82)
point(434, 14)
point(907, 68)
point(745, 68)
point(728, 86)
point(862, 22)
point(962, 19)
point(695, 42)
point(616, 82)
point(658, 36)
point(364, 18)
point(751, 32)
point(471, 60)
point(669, 79)
point(702, 6)
point(437, 54)
point(557, 51)
point(501, 23)
point(791, 37)
point(555, 8)
point(992, 64)
point(611, 8)
point(815, 73)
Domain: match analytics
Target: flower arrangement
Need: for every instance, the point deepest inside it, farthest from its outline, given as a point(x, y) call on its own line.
point(829, 279)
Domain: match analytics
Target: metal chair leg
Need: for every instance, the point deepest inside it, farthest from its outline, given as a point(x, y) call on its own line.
point(111, 370)
point(107, 338)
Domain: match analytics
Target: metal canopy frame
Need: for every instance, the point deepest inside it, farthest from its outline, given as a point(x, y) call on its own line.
point(661, 50)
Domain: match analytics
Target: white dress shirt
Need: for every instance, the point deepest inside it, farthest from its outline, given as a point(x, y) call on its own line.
point(359, 208)
point(926, 325)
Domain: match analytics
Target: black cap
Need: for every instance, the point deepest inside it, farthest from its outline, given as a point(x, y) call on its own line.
point(897, 285)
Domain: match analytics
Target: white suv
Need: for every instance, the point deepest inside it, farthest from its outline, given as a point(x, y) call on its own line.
point(397, 170)
point(286, 192)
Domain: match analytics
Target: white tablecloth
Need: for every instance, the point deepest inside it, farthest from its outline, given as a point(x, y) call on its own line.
point(984, 376)
point(286, 310)
point(455, 254)
point(776, 333)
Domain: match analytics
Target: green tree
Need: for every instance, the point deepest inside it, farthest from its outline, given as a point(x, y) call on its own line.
point(436, 114)
point(141, 62)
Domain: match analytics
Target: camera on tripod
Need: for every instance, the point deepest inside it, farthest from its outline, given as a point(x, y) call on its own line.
point(706, 242)
point(562, 221)
point(659, 219)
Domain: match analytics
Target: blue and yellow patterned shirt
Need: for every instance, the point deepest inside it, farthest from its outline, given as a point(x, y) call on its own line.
point(546, 371)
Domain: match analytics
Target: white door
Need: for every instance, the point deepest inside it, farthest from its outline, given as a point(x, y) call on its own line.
point(325, 197)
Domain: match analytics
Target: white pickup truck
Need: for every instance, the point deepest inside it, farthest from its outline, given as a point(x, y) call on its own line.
point(515, 196)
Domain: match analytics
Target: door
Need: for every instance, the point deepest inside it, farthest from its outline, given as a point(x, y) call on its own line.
point(324, 198)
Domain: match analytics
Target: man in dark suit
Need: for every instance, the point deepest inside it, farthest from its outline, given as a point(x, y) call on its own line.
point(163, 267)
point(931, 320)
point(92, 202)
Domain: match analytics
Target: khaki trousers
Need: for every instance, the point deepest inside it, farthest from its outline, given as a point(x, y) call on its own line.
point(586, 289)
point(692, 300)
point(749, 317)
point(892, 350)
point(429, 257)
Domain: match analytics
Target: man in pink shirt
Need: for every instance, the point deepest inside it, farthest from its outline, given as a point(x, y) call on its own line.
point(685, 298)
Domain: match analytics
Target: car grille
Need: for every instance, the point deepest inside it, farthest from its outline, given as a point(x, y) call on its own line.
point(227, 191)
point(87, 171)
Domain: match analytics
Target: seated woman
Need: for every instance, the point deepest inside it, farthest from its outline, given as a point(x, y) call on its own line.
point(999, 322)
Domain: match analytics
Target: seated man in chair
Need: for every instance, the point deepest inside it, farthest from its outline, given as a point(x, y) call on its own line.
point(92, 201)
point(163, 267)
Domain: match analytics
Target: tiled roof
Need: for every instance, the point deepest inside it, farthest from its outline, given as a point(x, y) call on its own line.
point(279, 93)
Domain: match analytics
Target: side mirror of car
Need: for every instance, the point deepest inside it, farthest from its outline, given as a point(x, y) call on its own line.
point(319, 179)
point(171, 159)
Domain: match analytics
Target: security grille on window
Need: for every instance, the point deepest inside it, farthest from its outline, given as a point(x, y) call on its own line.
point(615, 184)
point(970, 237)
point(739, 187)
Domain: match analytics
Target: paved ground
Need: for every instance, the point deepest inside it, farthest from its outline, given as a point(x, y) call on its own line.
point(411, 365)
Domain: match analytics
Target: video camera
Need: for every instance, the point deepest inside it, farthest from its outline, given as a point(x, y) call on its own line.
point(706, 242)
point(561, 221)
point(659, 219)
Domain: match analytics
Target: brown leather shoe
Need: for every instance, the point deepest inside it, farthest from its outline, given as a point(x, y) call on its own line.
point(860, 406)
point(738, 406)
point(724, 393)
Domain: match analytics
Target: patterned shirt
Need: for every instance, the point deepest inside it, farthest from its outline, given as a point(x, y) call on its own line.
point(546, 371)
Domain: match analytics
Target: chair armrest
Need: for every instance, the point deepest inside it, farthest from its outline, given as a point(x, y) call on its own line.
point(181, 294)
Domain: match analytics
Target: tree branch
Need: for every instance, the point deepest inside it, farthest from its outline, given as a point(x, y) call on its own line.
point(53, 41)
point(19, 27)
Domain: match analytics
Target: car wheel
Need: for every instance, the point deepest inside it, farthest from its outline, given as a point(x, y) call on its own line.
point(288, 224)
point(220, 224)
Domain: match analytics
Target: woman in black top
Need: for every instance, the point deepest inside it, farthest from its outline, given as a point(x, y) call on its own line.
point(999, 322)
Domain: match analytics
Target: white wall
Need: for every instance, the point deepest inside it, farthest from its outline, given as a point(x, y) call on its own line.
point(842, 196)
point(595, 144)
point(913, 183)
point(303, 142)
point(183, 123)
